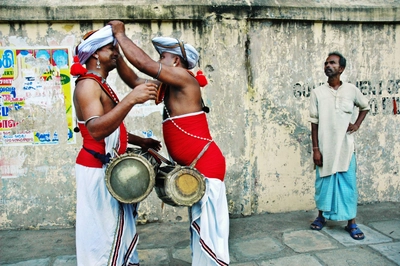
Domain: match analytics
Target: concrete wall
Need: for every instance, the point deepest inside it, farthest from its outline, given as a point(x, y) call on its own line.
point(261, 58)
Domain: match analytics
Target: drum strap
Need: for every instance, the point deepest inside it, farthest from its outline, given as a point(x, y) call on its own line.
point(159, 157)
point(105, 159)
point(165, 160)
point(200, 154)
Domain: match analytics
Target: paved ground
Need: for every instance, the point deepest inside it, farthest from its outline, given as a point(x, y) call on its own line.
point(259, 240)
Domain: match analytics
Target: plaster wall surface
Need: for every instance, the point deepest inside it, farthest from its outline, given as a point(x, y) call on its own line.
point(261, 59)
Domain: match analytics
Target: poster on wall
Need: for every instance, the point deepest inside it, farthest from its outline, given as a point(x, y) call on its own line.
point(34, 79)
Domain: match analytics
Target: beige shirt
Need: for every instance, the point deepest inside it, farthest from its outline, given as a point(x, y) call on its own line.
point(333, 110)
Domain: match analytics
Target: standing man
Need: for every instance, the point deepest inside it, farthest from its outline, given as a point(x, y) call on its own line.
point(186, 135)
point(105, 228)
point(332, 127)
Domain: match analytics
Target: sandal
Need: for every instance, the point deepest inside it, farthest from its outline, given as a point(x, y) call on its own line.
point(318, 223)
point(354, 232)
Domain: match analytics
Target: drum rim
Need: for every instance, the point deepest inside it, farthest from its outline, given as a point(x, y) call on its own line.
point(120, 158)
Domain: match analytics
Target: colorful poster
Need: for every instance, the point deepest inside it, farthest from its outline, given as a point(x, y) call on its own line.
point(32, 79)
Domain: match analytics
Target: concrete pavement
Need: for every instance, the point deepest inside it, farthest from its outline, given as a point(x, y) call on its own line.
point(258, 240)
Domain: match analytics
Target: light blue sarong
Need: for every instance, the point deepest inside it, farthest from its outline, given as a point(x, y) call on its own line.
point(336, 195)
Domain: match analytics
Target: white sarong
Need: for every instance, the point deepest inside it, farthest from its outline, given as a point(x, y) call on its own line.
point(105, 228)
point(210, 226)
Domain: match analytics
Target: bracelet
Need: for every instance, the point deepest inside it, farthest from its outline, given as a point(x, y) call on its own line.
point(159, 71)
point(91, 118)
point(315, 148)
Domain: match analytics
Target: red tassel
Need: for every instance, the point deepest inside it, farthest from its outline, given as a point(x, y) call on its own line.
point(394, 106)
point(77, 69)
point(201, 79)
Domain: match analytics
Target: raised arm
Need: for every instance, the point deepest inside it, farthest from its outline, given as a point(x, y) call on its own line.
point(127, 74)
point(176, 77)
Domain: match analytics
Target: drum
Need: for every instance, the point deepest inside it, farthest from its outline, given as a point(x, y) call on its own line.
point(130, 177)
point(179, 185)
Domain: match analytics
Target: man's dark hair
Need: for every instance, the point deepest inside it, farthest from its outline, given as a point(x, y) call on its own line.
point(183, 62)
point(342, 60)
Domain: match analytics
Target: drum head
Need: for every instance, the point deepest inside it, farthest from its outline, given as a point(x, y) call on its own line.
point(130, 178)
point(186, 186)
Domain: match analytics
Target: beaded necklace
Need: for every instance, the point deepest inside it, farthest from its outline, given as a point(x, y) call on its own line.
point(184, 131)
point(172, 120)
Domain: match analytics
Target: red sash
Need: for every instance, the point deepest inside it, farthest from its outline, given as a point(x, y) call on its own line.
point(184, 148)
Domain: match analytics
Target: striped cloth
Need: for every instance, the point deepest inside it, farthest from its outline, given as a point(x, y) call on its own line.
point(105, 228)
point(210, 226)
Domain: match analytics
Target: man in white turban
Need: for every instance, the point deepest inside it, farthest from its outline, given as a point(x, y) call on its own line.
point(186, 136)
point(174, 46)
point(92, 41)
point(105, 228)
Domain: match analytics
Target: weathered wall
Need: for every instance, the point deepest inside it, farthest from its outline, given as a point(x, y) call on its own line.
point(288, 64)
point(261, 59)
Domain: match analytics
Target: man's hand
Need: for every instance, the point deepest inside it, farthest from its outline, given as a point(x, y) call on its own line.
point(148, 143)
point(352, 128)
point(317, 157)
point(118, 27)
point(142, 93)
point(144, 143)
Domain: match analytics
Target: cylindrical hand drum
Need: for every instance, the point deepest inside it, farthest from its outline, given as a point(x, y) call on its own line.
point(130, 177)
point(179, 185)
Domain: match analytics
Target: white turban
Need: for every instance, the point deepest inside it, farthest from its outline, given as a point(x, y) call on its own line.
point(98, 39)
point(174, 46)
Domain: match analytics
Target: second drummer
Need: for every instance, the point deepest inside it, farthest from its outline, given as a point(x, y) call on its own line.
point(186, 133)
